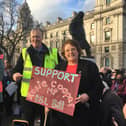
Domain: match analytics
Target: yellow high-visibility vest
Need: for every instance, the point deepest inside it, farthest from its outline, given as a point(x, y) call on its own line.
point(50, 61)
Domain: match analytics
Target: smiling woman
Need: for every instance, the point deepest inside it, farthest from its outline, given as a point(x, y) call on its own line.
point(90, 88)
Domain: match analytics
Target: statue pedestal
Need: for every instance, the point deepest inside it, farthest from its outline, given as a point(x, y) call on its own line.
point(91, 58)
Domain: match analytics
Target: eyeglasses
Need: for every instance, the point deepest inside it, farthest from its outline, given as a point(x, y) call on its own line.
point(72, 49)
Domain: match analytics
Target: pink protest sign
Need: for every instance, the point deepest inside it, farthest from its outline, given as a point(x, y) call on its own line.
point(54, 89)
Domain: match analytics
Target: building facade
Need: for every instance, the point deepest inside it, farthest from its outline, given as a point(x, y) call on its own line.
point(105, 28)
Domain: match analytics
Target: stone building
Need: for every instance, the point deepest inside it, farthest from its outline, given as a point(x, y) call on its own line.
point(105, 28)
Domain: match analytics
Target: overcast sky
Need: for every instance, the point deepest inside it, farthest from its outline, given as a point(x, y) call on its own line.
point(49, 10)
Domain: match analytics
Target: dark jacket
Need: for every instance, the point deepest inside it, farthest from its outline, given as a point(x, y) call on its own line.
point(35, 58)
point(111, 106)
point(90, 83)
point(120, 88)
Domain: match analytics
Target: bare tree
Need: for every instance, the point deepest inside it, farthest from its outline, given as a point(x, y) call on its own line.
point(10, 35)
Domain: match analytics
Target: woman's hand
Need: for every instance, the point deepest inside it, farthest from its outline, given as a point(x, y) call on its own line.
point(46, 110)
point(82, 98)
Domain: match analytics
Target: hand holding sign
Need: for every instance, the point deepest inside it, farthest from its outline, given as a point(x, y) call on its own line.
point(17, 76)
point(54, 89)
point(83, 98)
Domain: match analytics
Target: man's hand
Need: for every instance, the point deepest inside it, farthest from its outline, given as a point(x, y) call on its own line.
point(17, 76)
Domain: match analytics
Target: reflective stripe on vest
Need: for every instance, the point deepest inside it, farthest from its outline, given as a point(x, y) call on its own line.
point(49, 62)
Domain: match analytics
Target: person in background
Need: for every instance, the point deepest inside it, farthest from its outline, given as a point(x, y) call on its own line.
point(8, 100)
point(111, 102)
point(119, 86)
point(105, 74)
point(1, 76)
point(111, 110)
point(1, 85)
point(7, 74)
point(113, 74)
point(35, 55)
point(90, 88)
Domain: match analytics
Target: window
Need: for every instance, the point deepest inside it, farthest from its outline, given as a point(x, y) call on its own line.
point(56, 34)
point(106, 49)
point(45, 35)
point(63, 41)
point(57, 44)
point(64, 38)
point(107, 35)
point(92, 38)
point(64, 33)
point(108, 20)
point(51, 44)
point(92, 26)
point(107, 62)
point(51, 35)
point(108, 2)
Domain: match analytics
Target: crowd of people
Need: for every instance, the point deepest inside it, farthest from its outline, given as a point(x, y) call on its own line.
point(99, 90)
point(1, 85)
point(116, 80)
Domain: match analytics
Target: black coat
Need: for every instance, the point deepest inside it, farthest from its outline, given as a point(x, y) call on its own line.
point(36, 58)
point(111, 106)
point(90, 83)
point(29, 109)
